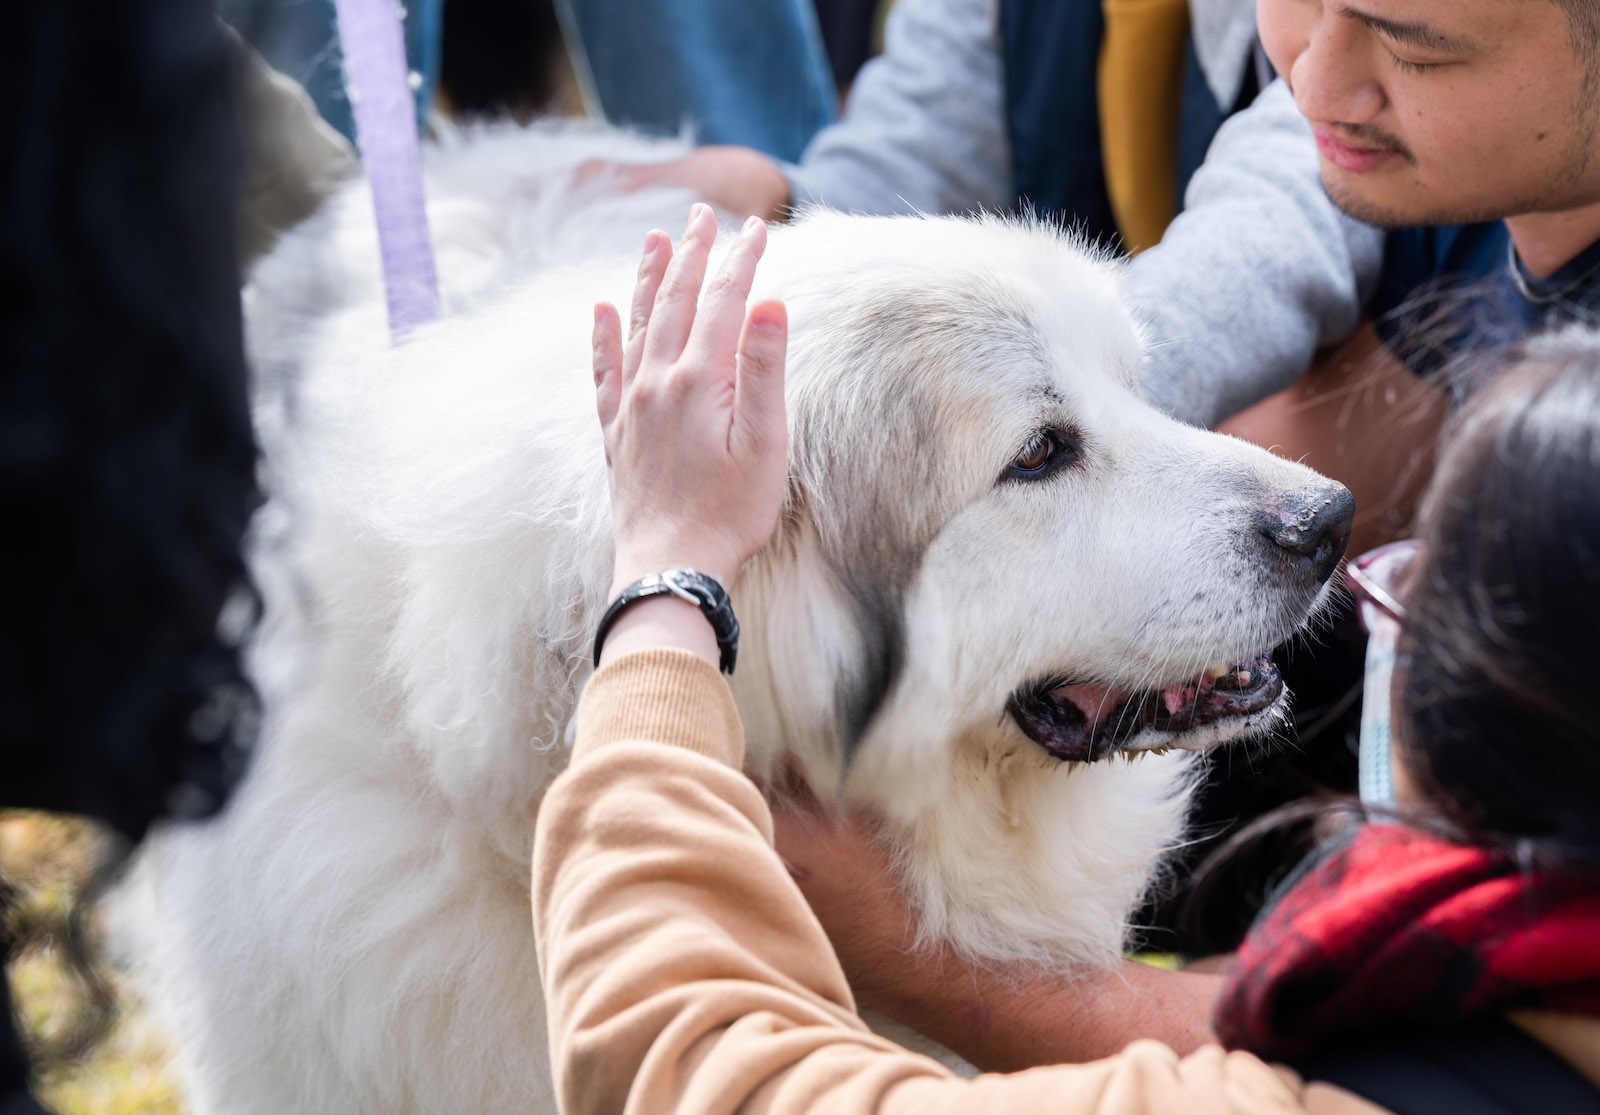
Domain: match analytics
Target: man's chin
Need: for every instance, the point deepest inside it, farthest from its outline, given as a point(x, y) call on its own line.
point(1422, 213)
point(1353, 204)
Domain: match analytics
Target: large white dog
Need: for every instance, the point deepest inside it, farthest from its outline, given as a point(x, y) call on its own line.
point(999, 574)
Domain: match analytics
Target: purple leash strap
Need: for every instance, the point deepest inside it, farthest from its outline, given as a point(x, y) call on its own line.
point(378, 82)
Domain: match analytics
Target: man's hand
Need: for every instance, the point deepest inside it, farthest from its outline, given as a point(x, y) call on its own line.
point(736, 180)
point(1000, 1020)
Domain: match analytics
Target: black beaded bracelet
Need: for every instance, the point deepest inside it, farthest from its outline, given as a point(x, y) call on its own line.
point(689, 585)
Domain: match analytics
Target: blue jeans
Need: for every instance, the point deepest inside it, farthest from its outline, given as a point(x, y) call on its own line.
point(299, 38)
point(750, 72)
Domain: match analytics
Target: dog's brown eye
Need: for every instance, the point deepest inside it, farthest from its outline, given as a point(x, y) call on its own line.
point(1046, 453)
point(1035, 454)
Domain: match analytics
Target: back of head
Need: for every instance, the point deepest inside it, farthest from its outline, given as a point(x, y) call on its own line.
point(1499, 646)
point(127, 463)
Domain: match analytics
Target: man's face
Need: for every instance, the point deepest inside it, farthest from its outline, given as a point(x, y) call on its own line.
point(1440, 111)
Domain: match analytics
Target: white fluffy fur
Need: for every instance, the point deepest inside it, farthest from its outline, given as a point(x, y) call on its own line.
point(354, 934)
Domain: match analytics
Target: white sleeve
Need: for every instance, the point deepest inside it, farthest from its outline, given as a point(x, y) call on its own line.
point(925, 126)
point(1258, 271)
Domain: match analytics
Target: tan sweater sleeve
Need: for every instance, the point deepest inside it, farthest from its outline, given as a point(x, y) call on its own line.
point(684, 971)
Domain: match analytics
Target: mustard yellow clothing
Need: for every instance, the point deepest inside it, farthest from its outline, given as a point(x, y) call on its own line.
point(684, 971)
point(1140, 86)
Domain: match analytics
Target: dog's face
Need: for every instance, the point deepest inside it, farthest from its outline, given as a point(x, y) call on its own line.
point(1031, 567)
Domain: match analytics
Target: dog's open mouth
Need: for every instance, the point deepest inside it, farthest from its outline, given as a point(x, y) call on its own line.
point(1082, 723)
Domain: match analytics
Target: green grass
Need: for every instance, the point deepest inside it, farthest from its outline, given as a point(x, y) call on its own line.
point(129, 1070)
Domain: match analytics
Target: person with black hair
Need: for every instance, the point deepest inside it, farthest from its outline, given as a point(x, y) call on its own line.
point(683, 969)
point(127, 459)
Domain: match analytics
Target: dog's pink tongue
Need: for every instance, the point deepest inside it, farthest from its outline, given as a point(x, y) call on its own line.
point(1096, 702)
point(1180, 696)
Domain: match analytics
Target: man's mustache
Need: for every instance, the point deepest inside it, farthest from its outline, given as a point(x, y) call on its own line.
point(1370, 135)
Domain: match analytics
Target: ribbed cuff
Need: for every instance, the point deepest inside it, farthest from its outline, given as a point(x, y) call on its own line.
point(662, 695)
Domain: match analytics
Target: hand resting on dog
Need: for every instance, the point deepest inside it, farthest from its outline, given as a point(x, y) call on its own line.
point(692, 410)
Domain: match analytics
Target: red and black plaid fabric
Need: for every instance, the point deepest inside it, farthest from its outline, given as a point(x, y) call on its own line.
point(1395, 928)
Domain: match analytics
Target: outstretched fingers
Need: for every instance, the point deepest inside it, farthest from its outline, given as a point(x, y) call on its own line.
point(717, 329)
point(758, 394)
point(607, 361)
point(652, 269)
point(674, 312)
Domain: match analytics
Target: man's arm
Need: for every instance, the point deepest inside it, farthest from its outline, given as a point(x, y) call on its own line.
point(1363, 418)
point(924, 131)
point(999, 1018)
point(925, 126)
point(1258, 272)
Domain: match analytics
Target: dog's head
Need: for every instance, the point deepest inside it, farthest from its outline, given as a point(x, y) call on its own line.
point(998, 555)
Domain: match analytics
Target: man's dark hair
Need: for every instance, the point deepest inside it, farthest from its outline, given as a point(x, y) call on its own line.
point(1583, 24)
point(126, 455)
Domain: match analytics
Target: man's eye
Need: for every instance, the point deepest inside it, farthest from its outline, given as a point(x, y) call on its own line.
point(1406, 66)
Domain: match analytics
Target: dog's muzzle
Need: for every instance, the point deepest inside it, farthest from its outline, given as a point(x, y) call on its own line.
point(1083, 723)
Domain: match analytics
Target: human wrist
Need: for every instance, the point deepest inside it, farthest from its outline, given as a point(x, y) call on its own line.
point(631, 565)
point(702, 620)
point(660, 621)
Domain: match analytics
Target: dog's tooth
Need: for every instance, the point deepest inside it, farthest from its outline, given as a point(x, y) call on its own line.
point(1216, 670)
point(1243, 677)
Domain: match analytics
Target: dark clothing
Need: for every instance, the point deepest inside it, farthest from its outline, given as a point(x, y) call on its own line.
point(1051, 61)
point(127, 463)
point(1448, 296)
point(1492, 1069)
point(1052, 50)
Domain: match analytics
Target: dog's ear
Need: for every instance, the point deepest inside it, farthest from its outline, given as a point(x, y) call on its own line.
point(882, 630)
point(794, 514)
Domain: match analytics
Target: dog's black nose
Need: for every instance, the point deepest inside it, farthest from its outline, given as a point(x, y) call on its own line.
point(1312, 524)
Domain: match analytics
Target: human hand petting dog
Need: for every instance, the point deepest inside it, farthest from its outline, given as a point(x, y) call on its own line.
point(692, 411)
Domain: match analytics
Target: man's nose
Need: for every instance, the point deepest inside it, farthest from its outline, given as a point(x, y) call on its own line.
point(1331, 78)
